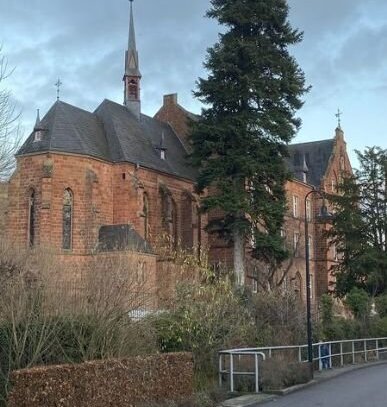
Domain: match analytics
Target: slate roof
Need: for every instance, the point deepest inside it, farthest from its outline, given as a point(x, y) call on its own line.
point(317, 155)
point(121, 237)
point(111, 133)
point(114, 134)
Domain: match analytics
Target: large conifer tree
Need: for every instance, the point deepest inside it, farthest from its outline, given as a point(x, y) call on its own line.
point(359, 229)
point(252, 93)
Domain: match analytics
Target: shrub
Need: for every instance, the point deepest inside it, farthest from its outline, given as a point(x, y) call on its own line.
point(381, 305)
point(358, 302)
point(207, 317)
point(277, 373)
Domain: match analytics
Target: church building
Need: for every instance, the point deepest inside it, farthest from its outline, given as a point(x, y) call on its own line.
point(116, 179)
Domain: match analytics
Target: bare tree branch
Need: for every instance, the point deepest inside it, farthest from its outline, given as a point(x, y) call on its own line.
point(9, 124)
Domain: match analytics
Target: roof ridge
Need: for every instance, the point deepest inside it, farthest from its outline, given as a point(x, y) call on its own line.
point(312, 142)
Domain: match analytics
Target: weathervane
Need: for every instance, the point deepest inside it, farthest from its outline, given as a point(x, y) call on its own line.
point(338, 115)
point(58, 84)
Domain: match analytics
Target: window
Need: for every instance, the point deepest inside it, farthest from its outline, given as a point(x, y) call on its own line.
point(295, 206)
point(254, 285)
point(133, 90)
point(169, 215)
point(38, 135)
point(67, 220)
point(308, 210)
point(296, 240)
point(311, 286)
point(31, 218)
point(145, 212)
point(298, 285)
point(310, 242)
point(140, 275)
point(283, 235)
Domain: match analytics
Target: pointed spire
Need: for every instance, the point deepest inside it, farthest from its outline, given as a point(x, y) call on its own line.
point(132, 34)
point(38, 125)
point(132, 62)
point(132, 76)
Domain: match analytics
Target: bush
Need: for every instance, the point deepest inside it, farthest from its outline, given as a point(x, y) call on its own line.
point(381, 305)
point(207, 317)
point(278, 373)
point(358, 301)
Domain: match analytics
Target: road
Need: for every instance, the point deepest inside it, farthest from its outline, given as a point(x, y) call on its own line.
point(361, 388)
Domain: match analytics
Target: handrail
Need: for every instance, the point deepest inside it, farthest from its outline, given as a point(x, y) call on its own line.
point(268, 351)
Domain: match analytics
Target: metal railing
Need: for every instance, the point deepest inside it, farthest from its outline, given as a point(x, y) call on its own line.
point(232, 362)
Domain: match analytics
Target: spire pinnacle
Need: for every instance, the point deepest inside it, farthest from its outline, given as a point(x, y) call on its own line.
point(37, 123)
point(132, 33)
point(132, 63)
point(338, 115)
point(132, 76)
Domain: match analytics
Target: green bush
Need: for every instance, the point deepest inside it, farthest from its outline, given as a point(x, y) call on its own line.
point(381, 305)
point(359, 302)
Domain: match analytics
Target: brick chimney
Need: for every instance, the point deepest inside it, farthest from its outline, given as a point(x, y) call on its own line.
point(176, 116)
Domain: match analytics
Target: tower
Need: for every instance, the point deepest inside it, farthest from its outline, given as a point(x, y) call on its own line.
point(132, 76)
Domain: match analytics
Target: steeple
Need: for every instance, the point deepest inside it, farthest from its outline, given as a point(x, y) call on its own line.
point(132, 77)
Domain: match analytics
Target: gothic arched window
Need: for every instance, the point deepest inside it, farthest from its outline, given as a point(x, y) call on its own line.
point(31, 218)
point(67, 219)
point(169, 215)
point(133, 89)
point(298, 285)
point(145, 211)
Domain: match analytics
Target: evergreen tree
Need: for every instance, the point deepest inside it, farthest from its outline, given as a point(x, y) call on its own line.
point(252, 93)
point(360, 226)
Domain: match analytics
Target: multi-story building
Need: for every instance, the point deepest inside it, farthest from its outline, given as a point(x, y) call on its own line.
point(117, 179)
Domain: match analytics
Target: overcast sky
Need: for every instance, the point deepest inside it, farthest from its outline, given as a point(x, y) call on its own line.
point(344, 56)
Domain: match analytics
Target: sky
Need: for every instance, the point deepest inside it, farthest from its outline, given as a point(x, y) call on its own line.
point(82, 42)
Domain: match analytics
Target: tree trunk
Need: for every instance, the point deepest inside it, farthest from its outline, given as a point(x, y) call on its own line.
point(239, 258)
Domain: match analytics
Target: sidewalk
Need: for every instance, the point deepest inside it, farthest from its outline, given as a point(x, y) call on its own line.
point(252, 400)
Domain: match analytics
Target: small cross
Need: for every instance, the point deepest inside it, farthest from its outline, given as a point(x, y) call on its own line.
point(58, 85)
point(338, 115)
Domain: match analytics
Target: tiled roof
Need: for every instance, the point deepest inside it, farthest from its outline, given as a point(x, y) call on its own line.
point(111, 133)
point(114, 134)
point(316, 155)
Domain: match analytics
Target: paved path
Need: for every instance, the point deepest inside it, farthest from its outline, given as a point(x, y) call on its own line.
point(361, 388)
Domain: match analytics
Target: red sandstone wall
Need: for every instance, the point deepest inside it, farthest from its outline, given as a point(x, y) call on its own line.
point(129, 382)
point(49, 175)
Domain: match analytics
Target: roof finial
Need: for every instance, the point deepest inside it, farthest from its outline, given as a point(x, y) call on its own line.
point(37, 123)
point(58, 84)
point(338, 115)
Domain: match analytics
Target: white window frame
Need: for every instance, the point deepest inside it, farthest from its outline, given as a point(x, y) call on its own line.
point(296, 208)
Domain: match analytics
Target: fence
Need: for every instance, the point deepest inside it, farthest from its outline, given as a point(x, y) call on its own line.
point(340, 353)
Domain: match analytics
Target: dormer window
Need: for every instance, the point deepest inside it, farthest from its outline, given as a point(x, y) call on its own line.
point(38, 135)
point(38, 129)
point(162, 154)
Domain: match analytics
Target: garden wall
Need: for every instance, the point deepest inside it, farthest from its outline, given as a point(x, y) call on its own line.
point(128, 382)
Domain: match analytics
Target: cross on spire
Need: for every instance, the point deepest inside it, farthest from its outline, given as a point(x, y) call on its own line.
point(58, 84)
point(338, 115)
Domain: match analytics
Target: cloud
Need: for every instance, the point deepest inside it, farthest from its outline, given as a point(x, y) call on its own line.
point(82, 41)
